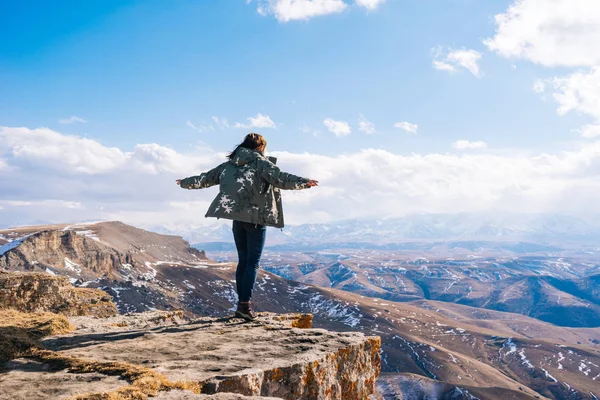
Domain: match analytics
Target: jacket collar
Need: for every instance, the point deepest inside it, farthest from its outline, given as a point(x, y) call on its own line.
point(245, 156)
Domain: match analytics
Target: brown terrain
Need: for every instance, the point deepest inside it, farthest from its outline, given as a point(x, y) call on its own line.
point(441, 349)
point(561, 289)
point(150, 354)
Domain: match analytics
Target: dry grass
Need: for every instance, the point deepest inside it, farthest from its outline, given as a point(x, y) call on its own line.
point(20, 332)
point(90, 301)
point(20, 335)
point(144, 381)
point(36, 291)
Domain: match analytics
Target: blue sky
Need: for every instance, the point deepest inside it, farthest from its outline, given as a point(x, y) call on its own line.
point(137, 71)
point(149, 83)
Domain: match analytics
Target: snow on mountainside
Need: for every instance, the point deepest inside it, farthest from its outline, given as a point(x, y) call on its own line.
point(428, 346)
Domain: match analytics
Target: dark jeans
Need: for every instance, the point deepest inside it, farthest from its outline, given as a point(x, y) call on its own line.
point(249, 241)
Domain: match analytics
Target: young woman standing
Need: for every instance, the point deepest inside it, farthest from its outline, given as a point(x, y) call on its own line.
point(249, 185)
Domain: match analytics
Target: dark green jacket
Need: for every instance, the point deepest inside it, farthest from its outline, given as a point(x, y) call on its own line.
point(248, 188)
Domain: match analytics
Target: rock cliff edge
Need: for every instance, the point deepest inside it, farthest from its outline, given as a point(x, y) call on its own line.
point(159, 354)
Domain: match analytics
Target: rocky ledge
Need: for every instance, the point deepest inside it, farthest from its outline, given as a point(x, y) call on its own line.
point(140, 355)
point(40, 292)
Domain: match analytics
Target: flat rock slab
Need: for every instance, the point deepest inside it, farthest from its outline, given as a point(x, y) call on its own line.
point(24, 379)
point(182, 395)
point(126, 322)
point(266, 357)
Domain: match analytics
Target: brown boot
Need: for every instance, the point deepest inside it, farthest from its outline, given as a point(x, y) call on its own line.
point(244, 310)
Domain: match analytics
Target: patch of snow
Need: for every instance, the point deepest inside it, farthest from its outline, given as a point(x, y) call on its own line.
point(188, 284)
point(511, 346)
point(548, 375)
point(296, 289)
point(117, 290)
point(81, 225)
point(349, 316)
point(88, 234)
point(48, 270)
point(225, 290)
point(151, 274)
point(524, 359)
point(170, 263)
point(584, 368)
point(72, 266)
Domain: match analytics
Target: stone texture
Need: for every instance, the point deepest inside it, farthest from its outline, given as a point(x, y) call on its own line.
point(267, 357)
point(183, 395)
point(52, 247)
point(38, 292)
point(24, 379)
point(97, 249)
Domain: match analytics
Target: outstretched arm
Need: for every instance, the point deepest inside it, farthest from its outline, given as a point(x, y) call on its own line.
point(282, 180)
point(204, 180)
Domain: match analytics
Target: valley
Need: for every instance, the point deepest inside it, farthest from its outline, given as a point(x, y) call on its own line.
point(439, 314)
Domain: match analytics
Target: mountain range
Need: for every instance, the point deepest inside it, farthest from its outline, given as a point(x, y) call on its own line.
point(514, 227)
point(439, 338)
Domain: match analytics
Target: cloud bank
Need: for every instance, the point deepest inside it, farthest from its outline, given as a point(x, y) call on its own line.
point(558, 33)
point(46, 176)
point(295, 10)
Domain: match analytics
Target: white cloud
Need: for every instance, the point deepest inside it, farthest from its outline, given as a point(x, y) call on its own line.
point(590, 131)
point(440, 183)
point(72, 120)
point(221, 123)
point(466, 144)
point(49, 148)
point(549, 33)
point(339, 128)
point(365, 125)
point(443, 66)
point(370, 4)
point(539, 86)
point(260, 121)
point(580, 92)
point(308, 129)
point(577, 92)
point(558, 33)
point(98, 182)
point(407, 126)
point(201, 128)
point(453, 60)
point(41, 203)
point(290, 10)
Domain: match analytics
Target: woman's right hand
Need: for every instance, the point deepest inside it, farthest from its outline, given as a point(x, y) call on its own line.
point(312, 183)
point(178, 181)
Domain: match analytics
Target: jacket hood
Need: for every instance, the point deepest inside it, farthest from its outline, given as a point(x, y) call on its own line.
point(245, 156)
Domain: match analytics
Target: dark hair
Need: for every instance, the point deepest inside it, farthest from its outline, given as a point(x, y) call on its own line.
point(252, 141)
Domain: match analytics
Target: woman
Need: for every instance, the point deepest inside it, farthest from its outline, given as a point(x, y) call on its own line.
point(249, 194)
